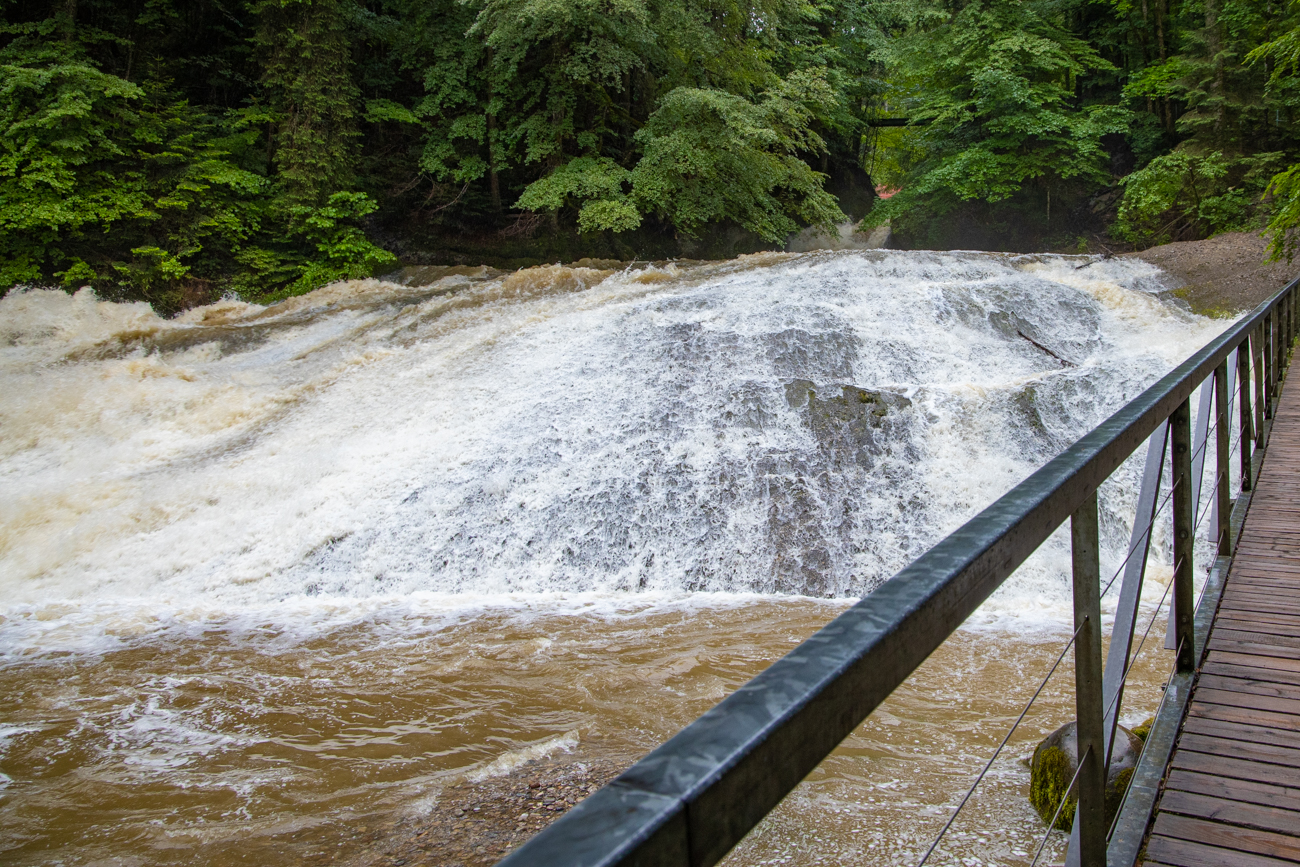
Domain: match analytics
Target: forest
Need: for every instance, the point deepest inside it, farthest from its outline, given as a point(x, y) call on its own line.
point(178, 152)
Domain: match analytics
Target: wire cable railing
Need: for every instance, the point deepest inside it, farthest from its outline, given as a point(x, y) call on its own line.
point(1134, 546)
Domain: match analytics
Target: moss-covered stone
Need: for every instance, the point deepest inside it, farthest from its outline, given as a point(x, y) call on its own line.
point(1054, 764)
point(1049, 775)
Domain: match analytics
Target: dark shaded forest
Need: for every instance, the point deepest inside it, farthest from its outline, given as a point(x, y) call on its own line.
point(179, 151)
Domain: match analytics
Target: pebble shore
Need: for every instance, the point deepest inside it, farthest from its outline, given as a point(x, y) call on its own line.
point(475, 824)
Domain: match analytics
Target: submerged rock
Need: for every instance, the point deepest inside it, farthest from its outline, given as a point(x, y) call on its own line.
point(1055, 762)
point(849, 425)
point(813, 511)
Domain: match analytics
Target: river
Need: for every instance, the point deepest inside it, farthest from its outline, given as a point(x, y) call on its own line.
point(275, 581)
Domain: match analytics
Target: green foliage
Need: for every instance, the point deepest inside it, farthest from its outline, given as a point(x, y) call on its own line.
point(306, 78)
point(129, 187)
point(1283, 55)
point(596, 183)
point(174, 151)
point(712, 156)
point(1176, 184)
point(64, 125)
point(1182, 194)
point(1285, 189)
point(341, 250)
point(994, 86)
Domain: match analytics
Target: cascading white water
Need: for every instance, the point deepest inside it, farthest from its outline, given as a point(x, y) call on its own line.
point(558, 439)
point(793, 424)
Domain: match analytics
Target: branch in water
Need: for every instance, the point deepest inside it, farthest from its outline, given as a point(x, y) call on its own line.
point(1064, 361)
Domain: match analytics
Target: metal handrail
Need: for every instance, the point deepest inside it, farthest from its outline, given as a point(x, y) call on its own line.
point(688, 802)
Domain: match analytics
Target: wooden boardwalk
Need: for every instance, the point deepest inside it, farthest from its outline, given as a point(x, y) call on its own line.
point(1232, 795)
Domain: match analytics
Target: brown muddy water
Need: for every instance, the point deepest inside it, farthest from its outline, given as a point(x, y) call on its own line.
point(222, 747)
point(301, 583)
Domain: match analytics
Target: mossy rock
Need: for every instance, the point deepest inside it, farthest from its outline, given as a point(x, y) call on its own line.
point(1144, 729)
point(1054, 764)
point(1049, 774)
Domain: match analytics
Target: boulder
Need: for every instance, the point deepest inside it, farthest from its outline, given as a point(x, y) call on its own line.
point(1055, 762)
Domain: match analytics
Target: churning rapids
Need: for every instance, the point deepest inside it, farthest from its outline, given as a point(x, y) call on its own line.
point(273, 581)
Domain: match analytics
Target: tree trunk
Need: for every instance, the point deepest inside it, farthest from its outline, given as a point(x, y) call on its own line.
point(493, 181)
point(1214, 42)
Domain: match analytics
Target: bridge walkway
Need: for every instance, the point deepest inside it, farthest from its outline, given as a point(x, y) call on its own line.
point(1232, 793)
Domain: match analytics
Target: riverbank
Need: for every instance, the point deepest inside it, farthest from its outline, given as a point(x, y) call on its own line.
point(1223, 275)
point(475, 823)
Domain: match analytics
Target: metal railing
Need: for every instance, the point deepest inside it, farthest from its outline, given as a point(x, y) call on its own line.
point(687, 803)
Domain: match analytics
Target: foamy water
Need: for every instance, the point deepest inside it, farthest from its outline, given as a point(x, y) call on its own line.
point(212, 520)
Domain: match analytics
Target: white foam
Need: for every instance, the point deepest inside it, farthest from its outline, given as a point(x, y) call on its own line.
point(546, 437)
point(507, 762)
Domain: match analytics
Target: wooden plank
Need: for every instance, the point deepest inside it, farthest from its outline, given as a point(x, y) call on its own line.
point(1246, 716)
point(1248, 593)
point(1238, 731)
point(1267, 568)
point(1270, 573)
point(1278, 624)
point(1271, 584)
point(1232, 793)
point(1258, 842)
point(1253, 648)
point(1263, 675)
point(1229, 634)
point(1182, 853)
point(1279, 821)
point(1238, 604)
point(1214, 746)
point(1245, 699)
point(1259, 626)
point(1250, 685)
point(1283, 583)
point(1240, 769)
point(1249, 598)
point(1276, 572)
point(1247, 791)
point(1234, 658)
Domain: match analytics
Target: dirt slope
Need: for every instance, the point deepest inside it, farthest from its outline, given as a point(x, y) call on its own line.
point(1221, 275)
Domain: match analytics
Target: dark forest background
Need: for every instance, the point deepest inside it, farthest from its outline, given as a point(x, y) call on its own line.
point(178, 151)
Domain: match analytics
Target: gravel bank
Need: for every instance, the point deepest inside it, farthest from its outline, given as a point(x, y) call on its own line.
point(474, 824)
point(1223, 275)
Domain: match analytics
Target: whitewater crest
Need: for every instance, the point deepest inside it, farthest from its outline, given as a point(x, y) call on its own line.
point(779, 423)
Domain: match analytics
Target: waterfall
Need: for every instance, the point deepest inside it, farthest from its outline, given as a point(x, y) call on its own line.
point(288, 577)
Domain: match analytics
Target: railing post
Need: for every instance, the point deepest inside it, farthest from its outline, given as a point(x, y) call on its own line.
point(1244, 412)
point(1284, 330)
point(1279, 358)
point(1288, 320)
point(1288, 323)
point(1284, 333)
point(1091, 815)
point(1180, 429)
point(1270, 371)
point(1290, 316)
point(1223, 458)
point(1257, 357)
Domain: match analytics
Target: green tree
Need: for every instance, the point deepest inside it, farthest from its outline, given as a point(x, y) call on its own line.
point(1281, 57)
point(992, 89)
